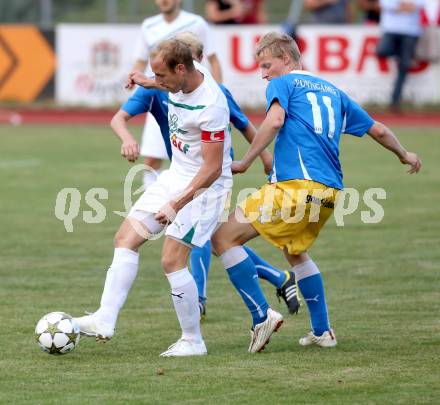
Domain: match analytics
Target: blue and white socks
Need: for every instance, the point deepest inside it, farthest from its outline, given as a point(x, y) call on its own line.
point(243, 275)
point(309, 280)
point(265, 270)
point(200, 260)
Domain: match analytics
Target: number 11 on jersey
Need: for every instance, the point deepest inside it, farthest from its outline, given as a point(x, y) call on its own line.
point(317, 115)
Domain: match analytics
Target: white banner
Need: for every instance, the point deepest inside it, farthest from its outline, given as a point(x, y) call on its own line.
point(345, 56)
point(93, 62)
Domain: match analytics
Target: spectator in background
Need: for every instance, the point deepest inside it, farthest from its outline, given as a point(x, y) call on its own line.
point(329, 11)
point(235, 11)
point(401, 28)
point(290, 26)
point(371, 9)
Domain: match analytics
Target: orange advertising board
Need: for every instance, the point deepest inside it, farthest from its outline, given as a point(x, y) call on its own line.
point(27, 62)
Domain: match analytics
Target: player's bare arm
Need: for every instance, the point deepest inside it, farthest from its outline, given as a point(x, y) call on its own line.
point(266, 157)
point(383, 135)
point(265, 135)
point(136, 77)
point(209, 172)
point(216, 70)
point(139, 66)
point(130, 146)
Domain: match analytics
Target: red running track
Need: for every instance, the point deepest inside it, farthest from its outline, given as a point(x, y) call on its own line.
point(103, 117)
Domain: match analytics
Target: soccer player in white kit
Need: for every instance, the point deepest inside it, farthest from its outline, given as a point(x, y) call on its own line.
point(187, 201)
point(165, 25)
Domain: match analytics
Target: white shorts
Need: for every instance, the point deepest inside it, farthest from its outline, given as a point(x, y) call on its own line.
point(196, 221)
point(152, 144)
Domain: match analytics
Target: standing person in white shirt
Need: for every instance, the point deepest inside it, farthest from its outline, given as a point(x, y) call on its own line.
point(400, 21)
point(171, 20)
point(188, 199)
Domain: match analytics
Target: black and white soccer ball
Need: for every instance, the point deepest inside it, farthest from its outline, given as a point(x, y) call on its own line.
point(57, 333)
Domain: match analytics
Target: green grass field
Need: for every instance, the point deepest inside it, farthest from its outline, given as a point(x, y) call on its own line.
point(382, 282)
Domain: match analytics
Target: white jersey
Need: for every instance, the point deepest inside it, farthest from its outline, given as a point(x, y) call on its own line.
point(196, 117)
point(156, 29)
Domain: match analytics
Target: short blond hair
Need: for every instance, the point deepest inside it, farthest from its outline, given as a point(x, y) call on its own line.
point(175, 52)
point(278, 45)
point(191, 40)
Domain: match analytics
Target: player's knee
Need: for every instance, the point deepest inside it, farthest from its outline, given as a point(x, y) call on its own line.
point(297, 258)
point(219, 242)
point(213, 249)
point(214, 252)
point(119, 240)
point(170, 263)
point(124, 239)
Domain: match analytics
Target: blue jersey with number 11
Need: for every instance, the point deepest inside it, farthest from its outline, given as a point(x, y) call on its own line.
point(317, 113)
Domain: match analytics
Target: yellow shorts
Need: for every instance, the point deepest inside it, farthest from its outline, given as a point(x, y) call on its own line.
point(291, 213)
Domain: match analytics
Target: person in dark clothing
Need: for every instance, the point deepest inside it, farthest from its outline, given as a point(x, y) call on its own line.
point(235, 12)
point(329, 11)
point(371, 9)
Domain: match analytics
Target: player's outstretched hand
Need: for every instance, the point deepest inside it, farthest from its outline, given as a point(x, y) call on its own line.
point(238, 167)
point(166, 214)
point(130, 83)
point(413, 160)
point(130, 150)
point(138, 78)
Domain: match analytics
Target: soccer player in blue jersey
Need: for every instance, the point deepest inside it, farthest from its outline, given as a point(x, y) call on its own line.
point(306, 116)
point(156, 102)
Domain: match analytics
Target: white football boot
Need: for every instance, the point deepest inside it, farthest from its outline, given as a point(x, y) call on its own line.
point(90, 326)
point(327, 339)
point(184, 347)
point(262, 332)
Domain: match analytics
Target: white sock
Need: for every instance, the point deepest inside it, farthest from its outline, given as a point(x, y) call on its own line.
point(120, 277)
point(186, 303)
point(305, 269)
point(150, 177)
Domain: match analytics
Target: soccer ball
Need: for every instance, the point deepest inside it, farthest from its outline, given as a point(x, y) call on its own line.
point(57, 333)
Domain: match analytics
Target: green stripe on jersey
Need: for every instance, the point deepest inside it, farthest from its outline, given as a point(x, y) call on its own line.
point(186, 106)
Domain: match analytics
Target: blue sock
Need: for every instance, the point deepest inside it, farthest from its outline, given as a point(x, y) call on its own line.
point(312, 289)
point(200, 260)
point(243, 275)
point(265, 270)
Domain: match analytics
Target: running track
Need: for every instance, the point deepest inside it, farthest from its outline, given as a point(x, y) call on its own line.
point(103, 117)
